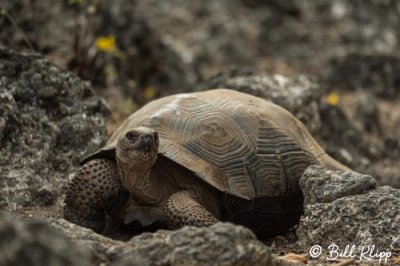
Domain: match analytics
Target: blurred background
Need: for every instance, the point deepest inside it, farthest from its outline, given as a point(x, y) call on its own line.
point(334, 64)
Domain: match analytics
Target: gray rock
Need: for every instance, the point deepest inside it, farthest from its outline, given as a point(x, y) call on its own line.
point(300, 95)
point(34, 243)
point(323, 186)
point(220, 244)
point(343, 208)
point(81, 236)
point(49, 120)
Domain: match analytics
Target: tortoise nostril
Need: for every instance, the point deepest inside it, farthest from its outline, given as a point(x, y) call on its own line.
point(147, 139)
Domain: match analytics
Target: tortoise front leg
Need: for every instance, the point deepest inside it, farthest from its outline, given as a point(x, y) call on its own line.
point(182, 208)
point(95, 189)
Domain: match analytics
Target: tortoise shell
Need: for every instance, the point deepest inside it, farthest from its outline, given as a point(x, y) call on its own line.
point(240, 144)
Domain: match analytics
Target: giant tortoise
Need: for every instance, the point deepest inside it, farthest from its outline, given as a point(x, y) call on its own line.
point(199, 158)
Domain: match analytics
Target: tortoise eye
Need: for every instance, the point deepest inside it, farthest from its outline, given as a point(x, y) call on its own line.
point(132, 136)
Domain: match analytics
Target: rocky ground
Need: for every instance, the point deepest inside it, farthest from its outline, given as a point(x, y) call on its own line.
point(333, 64)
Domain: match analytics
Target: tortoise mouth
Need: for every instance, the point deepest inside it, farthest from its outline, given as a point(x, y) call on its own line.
point(146, 150)
point(143, 145)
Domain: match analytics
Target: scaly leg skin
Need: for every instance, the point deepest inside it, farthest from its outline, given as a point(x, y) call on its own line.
point(183, 209)
point(95, 189)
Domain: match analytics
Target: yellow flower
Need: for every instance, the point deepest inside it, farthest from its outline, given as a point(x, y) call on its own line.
point(333, 98)
point(149, 93)
point(106, 44)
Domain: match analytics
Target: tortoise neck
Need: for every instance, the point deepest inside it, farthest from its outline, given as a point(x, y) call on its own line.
point(140, 183)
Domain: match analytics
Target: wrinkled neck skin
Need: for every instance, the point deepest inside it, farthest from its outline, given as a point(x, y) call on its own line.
point(137, 179)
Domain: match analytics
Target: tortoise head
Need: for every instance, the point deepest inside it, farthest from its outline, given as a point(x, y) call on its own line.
point(136, 153)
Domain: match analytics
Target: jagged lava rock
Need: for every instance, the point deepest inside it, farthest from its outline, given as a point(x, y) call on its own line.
point(345, 208)
point(220, 244)
point(97, 244)
point(34, 243)
point(324, 186)
point(49, 120)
